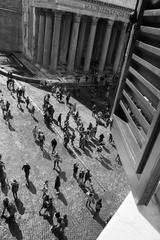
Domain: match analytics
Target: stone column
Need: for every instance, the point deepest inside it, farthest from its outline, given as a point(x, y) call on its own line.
point(47, 39)
point(41, 32)
point(55, 41)
point(73, 43)
point(65, 38)
point(120, 47)
point(125, 38)
point(81, 41)
point(90, 44)
point(36, 29)
point(112, 44)
point(105, 45)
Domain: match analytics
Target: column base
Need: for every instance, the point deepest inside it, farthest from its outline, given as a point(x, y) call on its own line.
point(37, 65)
point(44, 70)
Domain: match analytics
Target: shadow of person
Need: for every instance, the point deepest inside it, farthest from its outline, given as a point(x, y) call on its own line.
point(88, 146)
point(71, 128)
point(49, 127)
point(62, 174)
point(11, 128)
point(55, 121)
point(95, 141)
point(35, 119)
point(31, 187)
point(71, 152)
point(100, 221)
point(29, 109)
point(91, 144)
point(19, 206)
point(4, 184)
point(106, 163)
point(62, 198)
point(46, 154)
point(77, 151)
point(87, 153)
point(14, 229)
point(21, 109)
point(106, 149)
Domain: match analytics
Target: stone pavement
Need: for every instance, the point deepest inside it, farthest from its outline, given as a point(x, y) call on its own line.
point(18, 146)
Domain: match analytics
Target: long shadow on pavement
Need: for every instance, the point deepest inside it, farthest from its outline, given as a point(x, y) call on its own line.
point(14, 229)
point(11, 128)
point(19, 205)
point(106, 149)
point(95, 141)
point(71, 152)
point(46, 154)
point(62, 174)
point(5, 188)
point(77, 151)
point(97, 218)
point(31, 187)
point(106, 163)
point(62, 198)
point(87, 153)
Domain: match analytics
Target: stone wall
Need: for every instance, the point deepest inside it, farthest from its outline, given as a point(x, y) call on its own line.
point(11, 25)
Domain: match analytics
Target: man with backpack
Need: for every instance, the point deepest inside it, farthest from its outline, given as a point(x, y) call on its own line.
point(98, 208)
point(14, 188)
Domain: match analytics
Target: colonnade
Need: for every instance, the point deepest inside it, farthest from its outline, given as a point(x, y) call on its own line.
point(69, 39)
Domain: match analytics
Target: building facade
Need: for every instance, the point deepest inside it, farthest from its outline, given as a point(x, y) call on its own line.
point(77, 35)
point(11, 25)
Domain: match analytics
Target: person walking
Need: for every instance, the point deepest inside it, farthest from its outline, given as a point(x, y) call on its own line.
point(45, 189)
point(32, 111)
point(57, 160)
point(98, 208)
point(59, 120)
point(10, 207)
point(23, 92)
point(53, 144)
point(93, 110)
point(110, 138)
point(41, 139)
point(44, 204)
point(14, 188)
point(101, 137)
point(87, 176)
point(27, 102)
point(75, 169)
point(26, 167)
point(18, 101)
point(67, 98)
point(63, 223)
point(57, 185)
point(7, 105)
point(90, 199)
point(80, 179)
point(73, 136)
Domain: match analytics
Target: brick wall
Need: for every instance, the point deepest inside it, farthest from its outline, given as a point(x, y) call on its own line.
point(10, 25)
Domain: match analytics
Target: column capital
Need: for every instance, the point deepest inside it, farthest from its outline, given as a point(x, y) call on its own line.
point(94, 20)
point(110, 23)
point(125, 25)
point(41, 11)
point(68, 15)
point(58, 14)
point(77, 18)
point(48, 12)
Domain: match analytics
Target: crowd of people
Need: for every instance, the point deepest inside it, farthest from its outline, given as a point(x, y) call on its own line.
point(59, 223)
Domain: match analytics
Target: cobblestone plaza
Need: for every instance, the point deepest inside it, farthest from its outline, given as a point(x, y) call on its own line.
point(17, 146)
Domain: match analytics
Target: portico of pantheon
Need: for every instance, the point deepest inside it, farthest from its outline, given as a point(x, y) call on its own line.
point(76, 34)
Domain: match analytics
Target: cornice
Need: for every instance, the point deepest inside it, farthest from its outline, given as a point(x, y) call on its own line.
point(107, 5)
